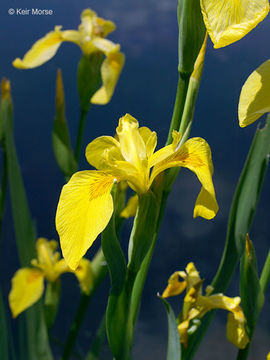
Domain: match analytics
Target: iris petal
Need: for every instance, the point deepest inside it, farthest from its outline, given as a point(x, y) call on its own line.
point(229, 20)
point(42, 50)
point(84, 210)
point(195, 155)
point(110, 72)
point(254, 98)
point(27, 288)
point(102, 151)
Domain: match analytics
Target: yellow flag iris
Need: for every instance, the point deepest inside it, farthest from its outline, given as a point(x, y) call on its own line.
point(28, 283)
point(90, 37)
point(197, 305)
point(254, 98)
point(86, 206)
point(228, 21)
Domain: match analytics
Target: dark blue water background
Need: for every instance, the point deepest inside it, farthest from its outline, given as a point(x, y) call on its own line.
point(147, 32)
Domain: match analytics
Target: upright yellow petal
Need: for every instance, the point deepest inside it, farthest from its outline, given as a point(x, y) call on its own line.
point(193, 276)
point(27, 287)
point(150, 139)
point(229, 20)
point(88, 17)
point(110, 72)
point(194, 154)
point(42, 50)
point(84, 274)
point(132, 145)
point(103, 27)
point(84, 210)
point(103, 150)
point(254, 98)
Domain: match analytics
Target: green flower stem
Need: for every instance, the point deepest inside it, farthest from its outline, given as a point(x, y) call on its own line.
point(182, 120)
point(179, 105)
point(100, 271)
point(80, 134)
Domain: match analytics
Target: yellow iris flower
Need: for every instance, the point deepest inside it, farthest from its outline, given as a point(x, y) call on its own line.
point(254, 98)
point(228, 21)
point(86, 206)
point(90, 37)
point(28, 283)
point(197, 305)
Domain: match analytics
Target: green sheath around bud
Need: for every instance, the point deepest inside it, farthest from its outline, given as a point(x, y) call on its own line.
point(191, 34)
point(89, 78)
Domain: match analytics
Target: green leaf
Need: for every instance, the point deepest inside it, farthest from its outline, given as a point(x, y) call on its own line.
point(250, 289)
point(240, 220)
point(244, 205)
point(60, 136)
point(38, 344)
point(174, 346)
point(24, 228)
point(117, 307)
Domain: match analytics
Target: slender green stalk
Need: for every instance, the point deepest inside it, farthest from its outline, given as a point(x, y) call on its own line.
point(80, 134)
point(179, 104)
point(100, 270)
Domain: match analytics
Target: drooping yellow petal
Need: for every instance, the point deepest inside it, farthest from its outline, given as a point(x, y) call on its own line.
point(84, 210)
point(236, 332)
point(254, 98)
point(103, 150)
point(131, 207)
point(27, 287)
point(229, 20)
point(84, 274)
point(268, 356)
point(175, 287)
point(110, 72)
point(42, 50)
point(194, 154)
point(217, 301)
